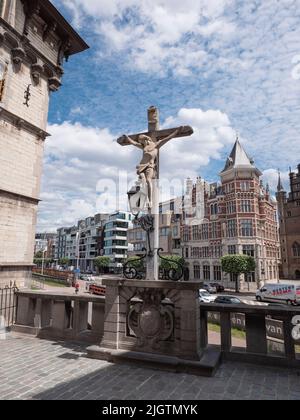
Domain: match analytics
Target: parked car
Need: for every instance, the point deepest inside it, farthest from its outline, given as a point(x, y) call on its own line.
point(209, 288)
point(205, 297)
point(220, 288)
point(228, 300)
point(279, 292)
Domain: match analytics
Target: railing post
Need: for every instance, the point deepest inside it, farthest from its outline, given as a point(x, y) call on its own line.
point(81, 310)
point(256, 333)
point(226, 342)
point(288, 340)
point(203, 329)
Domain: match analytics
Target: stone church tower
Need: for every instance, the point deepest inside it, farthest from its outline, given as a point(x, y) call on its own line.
point(34, 41)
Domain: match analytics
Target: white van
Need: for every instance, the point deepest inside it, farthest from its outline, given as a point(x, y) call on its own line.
point(279, 292)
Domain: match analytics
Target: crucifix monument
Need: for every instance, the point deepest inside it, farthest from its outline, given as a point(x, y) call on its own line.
point(148, 173)
point(151, 321)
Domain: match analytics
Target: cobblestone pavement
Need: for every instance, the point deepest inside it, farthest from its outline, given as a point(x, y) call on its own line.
point(44, 370)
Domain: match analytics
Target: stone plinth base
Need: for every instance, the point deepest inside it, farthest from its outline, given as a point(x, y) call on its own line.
point(155, 323)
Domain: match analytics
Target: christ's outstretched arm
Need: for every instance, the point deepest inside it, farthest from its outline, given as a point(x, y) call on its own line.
point(162, 142)
point(133, 142)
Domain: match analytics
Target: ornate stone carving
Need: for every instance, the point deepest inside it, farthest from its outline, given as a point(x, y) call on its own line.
point(54, 84)
point(64, 51)
point(18, 55)
point(151, 321)
point(49, 29)
point(36, 72)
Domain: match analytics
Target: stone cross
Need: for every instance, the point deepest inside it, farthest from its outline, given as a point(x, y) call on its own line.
point(148, 170)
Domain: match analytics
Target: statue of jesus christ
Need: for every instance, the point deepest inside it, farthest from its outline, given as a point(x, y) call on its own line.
point(147, 170)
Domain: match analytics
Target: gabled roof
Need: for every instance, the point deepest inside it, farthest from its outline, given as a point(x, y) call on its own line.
point(238, 159)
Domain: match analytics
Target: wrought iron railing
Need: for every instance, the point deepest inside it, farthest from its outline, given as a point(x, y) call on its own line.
point(8, 304)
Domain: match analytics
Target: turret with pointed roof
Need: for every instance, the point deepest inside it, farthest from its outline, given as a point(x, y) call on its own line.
point(280, 185)
point(239, 162)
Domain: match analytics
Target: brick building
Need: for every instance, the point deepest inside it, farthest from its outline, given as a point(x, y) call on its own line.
point(289, 218)
point(34, 40)
point(240, 218)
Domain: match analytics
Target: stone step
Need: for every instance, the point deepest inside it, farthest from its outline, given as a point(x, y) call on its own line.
point(206, 366)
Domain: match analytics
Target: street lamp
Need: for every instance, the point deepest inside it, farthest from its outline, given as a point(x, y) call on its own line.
point(137, 197)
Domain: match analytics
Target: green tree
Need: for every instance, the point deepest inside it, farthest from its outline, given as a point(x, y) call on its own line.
point(64, 262)
point(101, 263)
point(39, 262)
point(173, 262)
point(39, 255)
point(135, 262)
point(237, 265)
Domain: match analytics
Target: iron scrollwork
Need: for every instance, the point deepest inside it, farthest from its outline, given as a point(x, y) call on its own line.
point(173, 274)
point(131, 272)
point(147, 224)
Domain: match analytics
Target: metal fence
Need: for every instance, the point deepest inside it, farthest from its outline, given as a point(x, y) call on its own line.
point(8, 304)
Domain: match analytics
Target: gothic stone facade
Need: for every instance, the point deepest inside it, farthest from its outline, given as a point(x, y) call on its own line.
point(289, 217)
point(34, 40)
point(240, 218)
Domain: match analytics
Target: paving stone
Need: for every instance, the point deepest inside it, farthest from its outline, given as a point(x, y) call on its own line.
point(33, 369)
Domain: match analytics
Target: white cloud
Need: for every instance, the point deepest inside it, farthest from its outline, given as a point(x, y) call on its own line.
point(156, 35)
point(86, 171)
point(270, 176)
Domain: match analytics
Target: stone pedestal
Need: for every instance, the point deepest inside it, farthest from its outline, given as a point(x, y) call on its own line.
point(155, 323)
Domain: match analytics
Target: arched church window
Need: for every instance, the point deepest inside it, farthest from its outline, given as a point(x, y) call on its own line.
point(296, 249)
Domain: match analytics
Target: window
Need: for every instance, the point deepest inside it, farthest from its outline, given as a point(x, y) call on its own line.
point(248, 250)
point(206, 272)
point(231, 227)
point(231, 208)
point(245, 186)
point(214, 209)
point(246, 206)
point(205, 252)
point(197, 272)
point(164, 232)
point(186, 234)
point(217, 273)
point(214, 230)
point(296, 250)
point(175, 231)
point(232, 249)
point(195, 233)
point(204, 231)
point(246, 228)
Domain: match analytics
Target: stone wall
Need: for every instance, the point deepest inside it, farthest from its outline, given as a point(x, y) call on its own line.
point(12, 274)
point(21, 160)
point(17, 222)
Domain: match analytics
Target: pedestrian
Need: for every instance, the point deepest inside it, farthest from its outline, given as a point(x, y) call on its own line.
point(77, 288)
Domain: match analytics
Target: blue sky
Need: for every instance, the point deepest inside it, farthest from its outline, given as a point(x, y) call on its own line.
point(221, 66)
